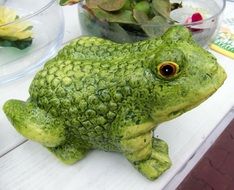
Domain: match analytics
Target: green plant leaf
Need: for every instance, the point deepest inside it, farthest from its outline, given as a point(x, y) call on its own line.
point(121, 36)
point(154, 27)
point(68, 2)
point(20, 44)
point(143, 6)
point(92, 4)
point(128, 5)
point(124, 16)
point(140, 16)
point(163, 7)
point(111, 5)
point(157, 26)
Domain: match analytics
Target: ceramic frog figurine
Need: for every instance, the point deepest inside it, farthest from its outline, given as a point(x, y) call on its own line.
point(97, 94)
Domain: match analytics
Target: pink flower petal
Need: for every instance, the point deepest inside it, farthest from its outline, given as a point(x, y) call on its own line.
point(196, 17)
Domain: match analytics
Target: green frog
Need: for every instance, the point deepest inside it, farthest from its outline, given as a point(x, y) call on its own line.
point(97, 94)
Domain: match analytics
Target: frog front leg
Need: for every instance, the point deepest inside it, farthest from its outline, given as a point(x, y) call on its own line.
point(148, 155)
point(157, 163)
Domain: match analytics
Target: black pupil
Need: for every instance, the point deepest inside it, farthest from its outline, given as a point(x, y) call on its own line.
point(167, 70)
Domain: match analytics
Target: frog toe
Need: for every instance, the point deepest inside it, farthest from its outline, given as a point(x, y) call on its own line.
point(157, 163)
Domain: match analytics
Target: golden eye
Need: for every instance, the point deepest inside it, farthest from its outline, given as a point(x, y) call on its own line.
point(168, 69)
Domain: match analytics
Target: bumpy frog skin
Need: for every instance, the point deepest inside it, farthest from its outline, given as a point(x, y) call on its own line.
point(97, 94)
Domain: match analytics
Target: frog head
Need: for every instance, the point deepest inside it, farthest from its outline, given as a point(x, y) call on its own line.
point(186, 75)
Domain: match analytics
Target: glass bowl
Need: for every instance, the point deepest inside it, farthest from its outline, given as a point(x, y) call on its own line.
point(46, 19)
point(203, 31)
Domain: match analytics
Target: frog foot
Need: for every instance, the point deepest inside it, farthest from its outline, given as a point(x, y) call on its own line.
point(157, 162)
point(69, 153)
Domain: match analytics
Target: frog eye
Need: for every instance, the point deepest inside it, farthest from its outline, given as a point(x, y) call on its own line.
point(167, 69)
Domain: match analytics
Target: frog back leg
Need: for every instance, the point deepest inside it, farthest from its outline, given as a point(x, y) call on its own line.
point(134, 131)
point(34, 123)
point(38, 125)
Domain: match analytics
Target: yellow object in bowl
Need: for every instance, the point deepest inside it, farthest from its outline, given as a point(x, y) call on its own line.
point(10, 30)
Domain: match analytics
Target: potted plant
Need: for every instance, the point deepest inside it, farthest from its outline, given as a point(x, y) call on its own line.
point(124, 20)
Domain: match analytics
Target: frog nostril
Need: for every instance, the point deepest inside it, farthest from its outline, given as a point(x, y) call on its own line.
point(208, 75)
